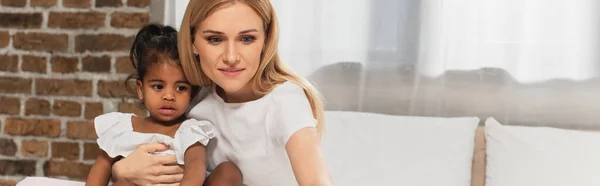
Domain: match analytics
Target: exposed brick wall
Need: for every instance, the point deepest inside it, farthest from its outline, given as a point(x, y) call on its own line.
point(62, 63)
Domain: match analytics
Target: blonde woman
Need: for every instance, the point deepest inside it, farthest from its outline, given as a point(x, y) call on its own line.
point(268, 121)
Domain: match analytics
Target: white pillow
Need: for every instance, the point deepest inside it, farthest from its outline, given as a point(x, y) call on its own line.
point(376, 149)
point(531, 156)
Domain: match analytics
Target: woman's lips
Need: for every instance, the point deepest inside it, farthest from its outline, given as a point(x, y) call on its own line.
point(231, 72)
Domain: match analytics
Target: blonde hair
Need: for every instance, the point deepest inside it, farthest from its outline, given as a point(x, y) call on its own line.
point(271, 71)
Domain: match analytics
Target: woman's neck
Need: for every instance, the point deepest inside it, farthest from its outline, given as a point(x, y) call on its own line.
point(245, 94)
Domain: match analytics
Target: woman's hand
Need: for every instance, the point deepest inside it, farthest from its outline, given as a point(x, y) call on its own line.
point(143, 168)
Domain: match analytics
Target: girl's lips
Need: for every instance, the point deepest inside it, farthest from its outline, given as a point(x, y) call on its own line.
point(166, 111)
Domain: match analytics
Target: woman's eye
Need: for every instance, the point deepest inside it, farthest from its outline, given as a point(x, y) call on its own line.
point(182, 88)
point(214, 40)
point(158, 87)
point(248, 39)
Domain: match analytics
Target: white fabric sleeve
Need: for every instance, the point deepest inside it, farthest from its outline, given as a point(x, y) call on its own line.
point(104, 122)
point(190, 132)
point(292, 112)
point(114, 135)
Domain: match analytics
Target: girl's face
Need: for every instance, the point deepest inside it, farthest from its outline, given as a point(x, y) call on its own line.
point(229, 43)
point(165, 91)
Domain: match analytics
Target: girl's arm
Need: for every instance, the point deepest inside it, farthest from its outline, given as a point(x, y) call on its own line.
point(195, 165)
point(101, 170)
point(308, 163)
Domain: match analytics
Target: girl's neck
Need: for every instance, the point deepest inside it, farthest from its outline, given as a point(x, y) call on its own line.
point(245, 94)
point(153, 120)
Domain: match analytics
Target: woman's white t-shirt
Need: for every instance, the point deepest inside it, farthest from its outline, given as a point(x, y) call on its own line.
point(253, 134)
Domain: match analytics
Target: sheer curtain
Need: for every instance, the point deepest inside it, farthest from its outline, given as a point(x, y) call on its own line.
point(524, 62)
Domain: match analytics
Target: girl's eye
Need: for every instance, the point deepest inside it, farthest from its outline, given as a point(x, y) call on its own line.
point(248, 39)
point(157, 87)
point(214, 40)
point(182, 88)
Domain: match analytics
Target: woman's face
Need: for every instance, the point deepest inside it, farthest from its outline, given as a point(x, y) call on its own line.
point(229, 43)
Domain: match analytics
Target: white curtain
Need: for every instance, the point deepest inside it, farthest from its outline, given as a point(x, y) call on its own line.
point(524, 62)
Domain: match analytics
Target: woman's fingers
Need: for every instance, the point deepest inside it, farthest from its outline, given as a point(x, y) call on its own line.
point(165, 160)
point(168, 179)
point(171, 184)
point(171, 169)
point(152, 147)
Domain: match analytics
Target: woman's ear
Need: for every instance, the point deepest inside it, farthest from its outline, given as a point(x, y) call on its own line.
point(140, 93)
point(195, 50)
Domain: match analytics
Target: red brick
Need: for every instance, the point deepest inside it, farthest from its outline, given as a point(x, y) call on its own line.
point(15, 85)
point(8, 182)
point(135, 108)
point(81, 130)
point(108, 3)
point(41, 41)
point(35, 106)
point(110, 42)
point(33, 64)
point(96, 64)
point(72, 170)
point(17, 167)
point(8, 147)
point(32, 127)
point(87, 20)
point(43, 3)
point(63, 87)
point(93, 109)
point(66, 150)
point(128, 20)
point(10, 63)
point(66, 108)
point(34, 148)
point(91, 151)
point(114, 89)
point(14, 3)
point(62, 64)
point(77, 3)
point(123, 65)
point(138, 3)
point(20, 20)
point(4, 39)
point(10, 105)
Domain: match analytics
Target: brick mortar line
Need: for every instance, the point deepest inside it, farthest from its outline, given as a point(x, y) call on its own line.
point(45, 18)
point(3, 157)
point(70, 98)
point(10, 177)
point(60, 76)
point(61, 8)
point(59, 4)
point(68, 54)
point(126, 32)
point(47, 139)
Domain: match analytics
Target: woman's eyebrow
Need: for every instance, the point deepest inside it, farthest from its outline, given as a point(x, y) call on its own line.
point(218, 32)
point(212, 32)
point(248, 31)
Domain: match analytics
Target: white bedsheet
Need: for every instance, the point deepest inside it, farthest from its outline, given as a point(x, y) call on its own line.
point(37, 181)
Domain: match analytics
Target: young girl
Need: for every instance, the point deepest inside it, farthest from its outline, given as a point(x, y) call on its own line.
point(165, 93)
point(267, 120)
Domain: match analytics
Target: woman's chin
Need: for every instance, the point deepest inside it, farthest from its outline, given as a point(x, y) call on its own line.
point(231, 87)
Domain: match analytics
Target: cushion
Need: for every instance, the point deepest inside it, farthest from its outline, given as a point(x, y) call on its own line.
point(530, 156)
point(376, 149)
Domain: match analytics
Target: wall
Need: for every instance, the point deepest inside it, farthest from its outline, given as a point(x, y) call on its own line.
point(62, 62)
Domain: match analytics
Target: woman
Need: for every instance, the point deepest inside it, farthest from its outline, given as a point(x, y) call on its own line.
point(268, 121)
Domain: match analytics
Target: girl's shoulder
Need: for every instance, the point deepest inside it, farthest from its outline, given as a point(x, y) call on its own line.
point(112, 121)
